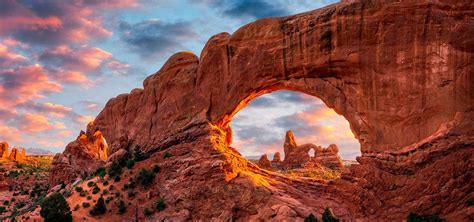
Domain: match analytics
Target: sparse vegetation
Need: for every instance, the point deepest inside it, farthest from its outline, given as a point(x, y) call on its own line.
point(130, 163)
point(328, 216)
point(2, 210)
point(310, 218)
point(117, 178)
point(145, 177)
point(115, 169)
point(55, 208)
point(95, 190)
point(91, 184)
point(99, 208)
point(167, 155)
point(78, 189)
point(160, 205)
point(156, 168)
point(100, 172)
point(121, 207)
point(413, 217)
point(147, 212)
point(138, 154)
point(86, 204)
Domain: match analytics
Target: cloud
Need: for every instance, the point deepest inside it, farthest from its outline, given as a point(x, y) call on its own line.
point(10, 134)
point(154, 37)
point(24, 84)
point(91, 105)
point(34, 123)
point(248, 9)
point(48, 108)
point(7, 57)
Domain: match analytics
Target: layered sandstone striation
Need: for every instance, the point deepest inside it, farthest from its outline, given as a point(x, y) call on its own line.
point(81, 157)
point(404, 85)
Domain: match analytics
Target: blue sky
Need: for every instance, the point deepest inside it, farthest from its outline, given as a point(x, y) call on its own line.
point(61, 61)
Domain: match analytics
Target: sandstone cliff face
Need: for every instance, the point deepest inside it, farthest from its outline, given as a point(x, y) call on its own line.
point(81, 157)
point(4, 150)
point(399, 72)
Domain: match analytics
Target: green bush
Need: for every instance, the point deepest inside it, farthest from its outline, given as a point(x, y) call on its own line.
point(121, 207)
point(86, 204)
point(310, 218)
point(130, 163)
point(328, 217)
point(55, 208)
point(167, 155)
point(100, 172)
point(2, 210)
point(95, 190)
point(147, 212)
point(145, 177)
point(160, 205)
point(413, 217)
point(99, 208)
point(91, 184)
point(138, 154)
point(156, 168)
point(114, 170)
point(78, 189)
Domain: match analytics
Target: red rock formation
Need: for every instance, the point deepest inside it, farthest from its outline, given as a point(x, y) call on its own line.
point(17, 154)
point(264, 162)
point(400, 72)
point(81, 157)
point(4, 150)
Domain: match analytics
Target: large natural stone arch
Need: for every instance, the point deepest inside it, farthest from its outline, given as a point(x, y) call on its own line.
point(399, 72)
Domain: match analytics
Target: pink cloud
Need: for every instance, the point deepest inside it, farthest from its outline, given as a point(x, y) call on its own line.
point(7, 57)
point(10, 134)
point(34, 123)
point(24, 84)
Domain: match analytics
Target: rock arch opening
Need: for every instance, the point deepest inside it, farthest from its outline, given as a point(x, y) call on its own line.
point(293, 132)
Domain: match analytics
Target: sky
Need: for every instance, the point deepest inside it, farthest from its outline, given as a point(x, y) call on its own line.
point(61, 61)
point(260, 127)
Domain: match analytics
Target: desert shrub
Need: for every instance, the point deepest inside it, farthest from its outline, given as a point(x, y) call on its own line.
point(138, 154)
point(310, 218)
point(105, 192)
point(78, 189)
point(90, 184)
point(117, 178)
point(413, 217)
point(156, 168)
point(147, 212)
point(99, 208)
point(167, 155)
point(328, 217)
point(2, 210)
point(111, 187)
point(145, 177)
point(160, 205)
point(89, 197)
point(6, 202)
point(115, 169)
point(130, 163)
point(105, 183)
point(76, 207)
point(100, 172)
point(82, 193)
point(55, 208)
point(95, 190)
point(86, 204)
point(108, 199)
point(121, 207)
point(20, 204)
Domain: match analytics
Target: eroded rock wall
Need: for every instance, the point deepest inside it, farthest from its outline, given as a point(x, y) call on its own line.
point(399, 71)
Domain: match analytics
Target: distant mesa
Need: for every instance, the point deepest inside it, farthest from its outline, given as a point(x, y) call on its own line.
point(298, 156)
point(38, 151)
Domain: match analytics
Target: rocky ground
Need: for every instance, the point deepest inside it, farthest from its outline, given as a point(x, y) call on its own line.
point(23, 184)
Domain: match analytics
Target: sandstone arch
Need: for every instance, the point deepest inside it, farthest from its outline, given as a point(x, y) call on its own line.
point(405, 86)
